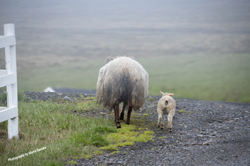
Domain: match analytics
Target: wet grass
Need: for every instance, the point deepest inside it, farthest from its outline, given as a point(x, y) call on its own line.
point(53, 126)
point(63, 135)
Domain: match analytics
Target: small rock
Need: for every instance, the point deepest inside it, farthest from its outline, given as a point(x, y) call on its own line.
point(66, 98)
point(110, 161)
point(208, 142)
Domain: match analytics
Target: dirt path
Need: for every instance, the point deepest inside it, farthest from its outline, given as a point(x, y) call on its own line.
point(207, 133)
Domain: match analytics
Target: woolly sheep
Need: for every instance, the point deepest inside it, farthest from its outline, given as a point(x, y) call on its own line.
point(122, 79)
point(166, 105)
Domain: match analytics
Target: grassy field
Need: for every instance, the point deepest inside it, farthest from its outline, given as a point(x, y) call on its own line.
point(50, 134)
point(205, 77)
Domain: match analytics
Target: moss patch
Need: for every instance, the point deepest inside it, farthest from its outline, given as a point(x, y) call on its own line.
point(127, 136)
point(150, 99)
point(182, 111)
point(115, 152)
point(162, 137)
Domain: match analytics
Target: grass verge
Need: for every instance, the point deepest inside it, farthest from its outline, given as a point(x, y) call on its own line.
point(50, 134)
point(53, 126)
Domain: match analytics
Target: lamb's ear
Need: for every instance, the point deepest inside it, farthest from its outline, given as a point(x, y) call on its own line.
point(162, 93)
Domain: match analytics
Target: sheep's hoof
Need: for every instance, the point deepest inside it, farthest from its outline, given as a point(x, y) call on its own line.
point(118, 125)
point(162, 128)
point(128, 123)
point(170, 130)
point(121, 117)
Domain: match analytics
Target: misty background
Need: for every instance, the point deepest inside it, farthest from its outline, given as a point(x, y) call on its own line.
point(63, 38)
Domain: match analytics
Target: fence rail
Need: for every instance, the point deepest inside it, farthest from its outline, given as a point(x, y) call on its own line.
point(8, 78)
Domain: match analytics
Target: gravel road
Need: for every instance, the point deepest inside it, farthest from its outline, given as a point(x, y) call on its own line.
point(205, 133)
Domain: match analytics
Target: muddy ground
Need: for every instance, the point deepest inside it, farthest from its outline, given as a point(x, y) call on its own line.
point(204, 133)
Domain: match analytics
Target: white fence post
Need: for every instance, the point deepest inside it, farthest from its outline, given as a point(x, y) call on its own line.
point(8, 78)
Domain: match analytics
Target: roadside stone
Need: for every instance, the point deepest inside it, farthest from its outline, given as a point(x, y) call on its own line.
point(66, 98)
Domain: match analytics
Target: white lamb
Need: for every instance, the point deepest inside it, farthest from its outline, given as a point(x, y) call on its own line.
point(166, 105)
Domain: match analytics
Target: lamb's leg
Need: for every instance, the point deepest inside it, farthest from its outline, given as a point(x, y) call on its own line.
point(170, 117)
point(160, 121)
point(129, 114)
point(116, 109)
point(122, 113)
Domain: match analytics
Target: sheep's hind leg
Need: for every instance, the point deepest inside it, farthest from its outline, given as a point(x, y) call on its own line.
point(129, 114)
point(170, 122)
point(116, 109)
point(122, 113)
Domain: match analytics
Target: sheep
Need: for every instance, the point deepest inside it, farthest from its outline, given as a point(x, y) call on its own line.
point(122, 79)
point(166, 105)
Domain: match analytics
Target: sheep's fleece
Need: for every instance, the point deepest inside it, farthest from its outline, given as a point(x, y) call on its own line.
point(122, 80)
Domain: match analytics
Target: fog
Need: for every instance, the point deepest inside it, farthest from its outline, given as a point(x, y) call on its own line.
point(116, 27)
point(56, 32)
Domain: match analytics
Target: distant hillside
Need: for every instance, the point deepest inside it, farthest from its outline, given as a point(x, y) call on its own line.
point(136, 28)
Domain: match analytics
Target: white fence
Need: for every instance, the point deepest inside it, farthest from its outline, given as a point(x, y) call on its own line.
point(8, 78)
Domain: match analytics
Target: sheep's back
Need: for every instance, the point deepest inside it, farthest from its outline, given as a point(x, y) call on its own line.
point(122, 80)
point(171, 103)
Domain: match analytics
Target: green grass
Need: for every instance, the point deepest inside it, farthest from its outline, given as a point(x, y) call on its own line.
point(71, 74)
point(210, 77)
point(52, 125)
point(62, 135)
point(205, 77)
